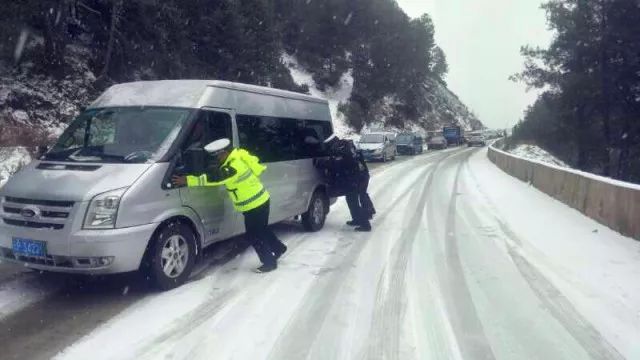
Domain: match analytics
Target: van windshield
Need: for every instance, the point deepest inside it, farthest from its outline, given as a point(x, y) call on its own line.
point(120, 135)
point(372, 139)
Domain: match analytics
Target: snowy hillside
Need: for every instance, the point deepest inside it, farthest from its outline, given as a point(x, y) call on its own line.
point(34, 108)
point(444, 107)
point(533, 152)
point(335, 95)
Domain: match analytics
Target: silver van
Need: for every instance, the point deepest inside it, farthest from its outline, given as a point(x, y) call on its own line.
point(101, 201)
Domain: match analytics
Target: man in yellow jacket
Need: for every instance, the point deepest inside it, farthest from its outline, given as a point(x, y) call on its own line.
point(240, 174)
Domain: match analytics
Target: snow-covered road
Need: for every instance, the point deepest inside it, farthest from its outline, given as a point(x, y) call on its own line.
point(464, 262)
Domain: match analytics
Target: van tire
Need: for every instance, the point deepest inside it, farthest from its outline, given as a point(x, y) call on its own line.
point(176, 241)
point(313, 220)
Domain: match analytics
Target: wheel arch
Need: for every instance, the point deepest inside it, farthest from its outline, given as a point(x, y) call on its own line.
point(184, 217)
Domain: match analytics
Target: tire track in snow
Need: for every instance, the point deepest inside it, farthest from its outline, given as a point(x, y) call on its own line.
point(391, 295)
point(465, 322)
point(188, 322)
point(551, 297)
point(297, 339)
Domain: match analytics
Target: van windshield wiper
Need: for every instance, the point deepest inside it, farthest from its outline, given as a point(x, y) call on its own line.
point(119, 158)
point(93, 156)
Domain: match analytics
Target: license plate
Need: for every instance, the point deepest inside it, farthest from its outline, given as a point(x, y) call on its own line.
point(30, 248)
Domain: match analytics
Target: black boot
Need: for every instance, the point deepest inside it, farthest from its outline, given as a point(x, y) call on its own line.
point(280, 252)
point(352, 223)
point(364, 228)
point(266, 268)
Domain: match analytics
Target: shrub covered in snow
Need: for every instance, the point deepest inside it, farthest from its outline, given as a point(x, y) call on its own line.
point(12, 159)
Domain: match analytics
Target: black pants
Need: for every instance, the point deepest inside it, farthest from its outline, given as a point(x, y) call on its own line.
point(263, 240)
point(358, 213)
point(365, 200)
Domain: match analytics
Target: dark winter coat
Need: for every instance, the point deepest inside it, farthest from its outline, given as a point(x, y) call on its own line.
point(344, 168)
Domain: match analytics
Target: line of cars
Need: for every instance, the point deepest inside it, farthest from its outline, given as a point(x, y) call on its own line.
point(455, 136)
point(385, 146)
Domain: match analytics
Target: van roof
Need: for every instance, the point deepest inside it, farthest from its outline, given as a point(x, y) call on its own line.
point(182, 93)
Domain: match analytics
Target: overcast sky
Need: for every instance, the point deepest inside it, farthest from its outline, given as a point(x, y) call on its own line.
point(482, 40)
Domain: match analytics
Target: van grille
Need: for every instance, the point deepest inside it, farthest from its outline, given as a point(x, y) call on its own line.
point(37, 214)
point(65, 204)
point(33, 224)
point(43, 213)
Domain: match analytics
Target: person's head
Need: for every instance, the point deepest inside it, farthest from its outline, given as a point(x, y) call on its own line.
point(220, 149)
point(330, 143)
point(222, 156)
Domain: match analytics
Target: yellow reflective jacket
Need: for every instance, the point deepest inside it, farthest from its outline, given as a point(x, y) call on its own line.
point(240, 175)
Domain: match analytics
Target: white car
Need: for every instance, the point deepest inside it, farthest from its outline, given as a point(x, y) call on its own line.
point(476, 140)
point(377, 146)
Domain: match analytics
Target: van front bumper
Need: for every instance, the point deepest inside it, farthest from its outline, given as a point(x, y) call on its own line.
point(84, 252)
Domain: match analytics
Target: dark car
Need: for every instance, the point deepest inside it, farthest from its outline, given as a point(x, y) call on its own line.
point(409, 144)
point(437, 142)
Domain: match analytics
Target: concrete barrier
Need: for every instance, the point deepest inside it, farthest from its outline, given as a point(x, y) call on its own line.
point(613, 203)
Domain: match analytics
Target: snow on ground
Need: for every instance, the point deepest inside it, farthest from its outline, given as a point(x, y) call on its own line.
point(533, 152)
point(335, 96)
point(593, 267)
point(289, 314)
point(11, 160)
point(26, 289)
point(455, 268)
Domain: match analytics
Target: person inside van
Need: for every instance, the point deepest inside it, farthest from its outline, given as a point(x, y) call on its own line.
point(239, 172)
point(348, 176)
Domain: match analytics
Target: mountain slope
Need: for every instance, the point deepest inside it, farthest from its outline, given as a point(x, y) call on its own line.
point(377, 66)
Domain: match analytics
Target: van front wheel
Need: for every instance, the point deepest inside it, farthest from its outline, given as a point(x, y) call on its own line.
point(314, 218)
point(172, 256)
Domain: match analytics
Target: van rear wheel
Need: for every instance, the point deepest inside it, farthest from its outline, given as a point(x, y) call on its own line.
point(172, 256)
point(316, 215)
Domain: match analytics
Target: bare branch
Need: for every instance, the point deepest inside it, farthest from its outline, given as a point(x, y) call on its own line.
point(86, 7)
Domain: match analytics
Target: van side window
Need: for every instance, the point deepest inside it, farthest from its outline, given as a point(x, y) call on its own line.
point(271, 139)
point(281, 139)
point(320, 130)
point(218, 125)
point(209, 126)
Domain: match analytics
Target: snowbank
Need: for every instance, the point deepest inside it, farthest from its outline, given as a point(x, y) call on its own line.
point(335, 95)
point(12, 159)
point(610, 202)
point(533, 152)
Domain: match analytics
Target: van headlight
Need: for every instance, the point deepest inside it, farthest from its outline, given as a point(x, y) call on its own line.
point(378, 151)
point(103, 210)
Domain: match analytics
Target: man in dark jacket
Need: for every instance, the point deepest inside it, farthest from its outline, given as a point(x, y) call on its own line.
point(348, 175)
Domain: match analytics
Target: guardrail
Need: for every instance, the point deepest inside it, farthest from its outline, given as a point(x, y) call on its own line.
point(613, 203)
